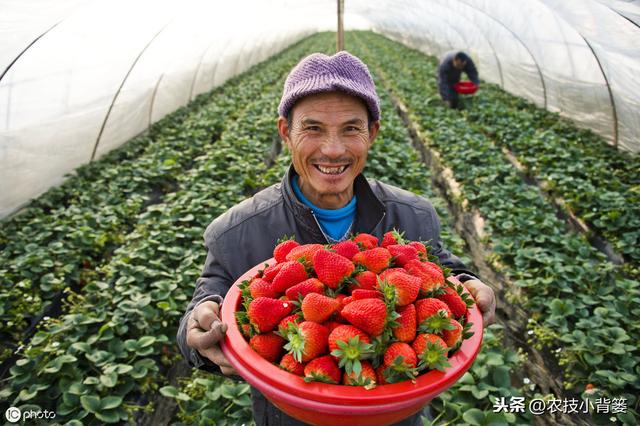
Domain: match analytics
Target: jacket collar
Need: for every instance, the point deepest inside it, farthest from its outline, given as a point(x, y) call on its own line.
point(369, 209)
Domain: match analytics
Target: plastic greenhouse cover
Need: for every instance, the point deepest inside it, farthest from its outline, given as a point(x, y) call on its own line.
point(82, 77)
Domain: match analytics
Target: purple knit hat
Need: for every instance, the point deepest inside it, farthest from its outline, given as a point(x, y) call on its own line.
point(318, 73)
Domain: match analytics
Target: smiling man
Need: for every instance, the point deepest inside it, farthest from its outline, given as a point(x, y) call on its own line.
point(329, 118)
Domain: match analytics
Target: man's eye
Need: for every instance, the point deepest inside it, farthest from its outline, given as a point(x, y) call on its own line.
point(312, 128)
point(352, 129)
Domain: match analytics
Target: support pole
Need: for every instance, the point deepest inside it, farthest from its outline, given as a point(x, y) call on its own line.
point(340, 35)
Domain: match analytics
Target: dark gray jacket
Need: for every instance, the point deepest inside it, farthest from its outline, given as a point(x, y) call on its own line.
point(246, 234)
point(448, 75)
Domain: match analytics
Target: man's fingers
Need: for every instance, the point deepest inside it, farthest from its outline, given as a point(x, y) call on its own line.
point(217, 357)
point(206, 314)
point(198, 338)
point(485, 298)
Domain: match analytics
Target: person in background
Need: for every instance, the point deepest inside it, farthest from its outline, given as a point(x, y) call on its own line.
point(451, 67)
point(329, 117)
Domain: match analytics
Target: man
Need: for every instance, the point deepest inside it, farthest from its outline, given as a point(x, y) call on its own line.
point(329, 117)
point(449, 71)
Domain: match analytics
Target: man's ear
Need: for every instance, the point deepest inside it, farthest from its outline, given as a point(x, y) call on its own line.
point(373, 131)
point(283, 130)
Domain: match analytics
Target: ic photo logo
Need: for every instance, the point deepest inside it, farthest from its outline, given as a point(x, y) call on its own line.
point(13, 414)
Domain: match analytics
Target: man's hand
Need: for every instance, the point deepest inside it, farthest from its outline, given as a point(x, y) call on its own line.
point(204, 331)
point(486, 300)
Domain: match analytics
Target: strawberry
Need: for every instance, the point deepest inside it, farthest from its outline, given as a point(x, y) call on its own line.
point(380, 377)
point(453, 335)
point(346, 248)
point(391, 238)
point(271, 271)
point(289, 363)
point(366, 241)
point(421, 249)
point(454, 302)
point(369, 315)
point(384, 274)
point(331, 325)
point(400, 362)
point(375, 260)
point(366, 280)
point(323, 369)
point(307, 340)
point(429, 273)
point(261, 288)
point(311, 285)
point(403, 253)
point(290, 274)
point(406, 287)
point(331, 268)
point(281, 251)
point(304, 253)
point(283, 325)
point(432, 315)
point(318, 307)
point(267, 345)
point(431, 351)
point(366, 378)
point(360, 293)
point(405, 331)
point(265, 313)
point(349, 345)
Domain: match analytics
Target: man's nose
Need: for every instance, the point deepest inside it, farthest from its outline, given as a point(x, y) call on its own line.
point(333, 146)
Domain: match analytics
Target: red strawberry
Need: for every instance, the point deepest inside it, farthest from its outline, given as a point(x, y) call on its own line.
point(432, 315)
point(431, 351)
point(349, 345)
point(331, 325)
point(281, 251)
point(271, 271)
point(283, 325)
point(454, 336)
point(400, 349)
point(331, 268)
point(429, 273)
point(365, 280)
point(403, 253)
point(391, 238)
point(318, 307)
point(360, 293)
point(430, 306)
point(421, 249)
point(384, 274)
point(366, 378)
point(290, 274)
point(267, 345)
point(307, 340)
point(346, 248)
point(400, 361)
point(323, 369)
point(454, 302)
point(369, 315)
point(406, 287)
point(406, 329)
point(289, 363)
point(375, 260)
point(261, 288)
point(265, 313)
point(380, 378)
point(304, 253)
point(366, 241)
point(311, 285)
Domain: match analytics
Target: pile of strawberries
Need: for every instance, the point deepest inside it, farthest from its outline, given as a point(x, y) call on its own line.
point(355, 313)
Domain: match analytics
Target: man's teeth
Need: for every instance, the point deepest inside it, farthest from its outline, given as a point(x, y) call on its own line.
point(332, 170)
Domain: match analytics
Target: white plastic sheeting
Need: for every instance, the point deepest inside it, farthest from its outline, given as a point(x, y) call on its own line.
point(81, 77)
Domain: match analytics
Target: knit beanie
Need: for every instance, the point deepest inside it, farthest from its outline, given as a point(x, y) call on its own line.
point(318, 73)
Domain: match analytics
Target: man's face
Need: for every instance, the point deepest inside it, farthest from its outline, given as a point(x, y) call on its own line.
point(459, 64)
point(329, 139)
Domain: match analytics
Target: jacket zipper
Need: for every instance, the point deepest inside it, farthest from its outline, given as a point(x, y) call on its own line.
point(319, 227)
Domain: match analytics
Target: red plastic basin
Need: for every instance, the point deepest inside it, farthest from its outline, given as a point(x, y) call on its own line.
point(324, 404)
point(465, 88)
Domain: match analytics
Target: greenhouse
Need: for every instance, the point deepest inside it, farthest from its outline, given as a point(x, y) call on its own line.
point(126, 128)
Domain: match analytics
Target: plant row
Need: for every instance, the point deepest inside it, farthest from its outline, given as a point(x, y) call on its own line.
point(69, 233)
point(104, 359)
point(579, 305)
